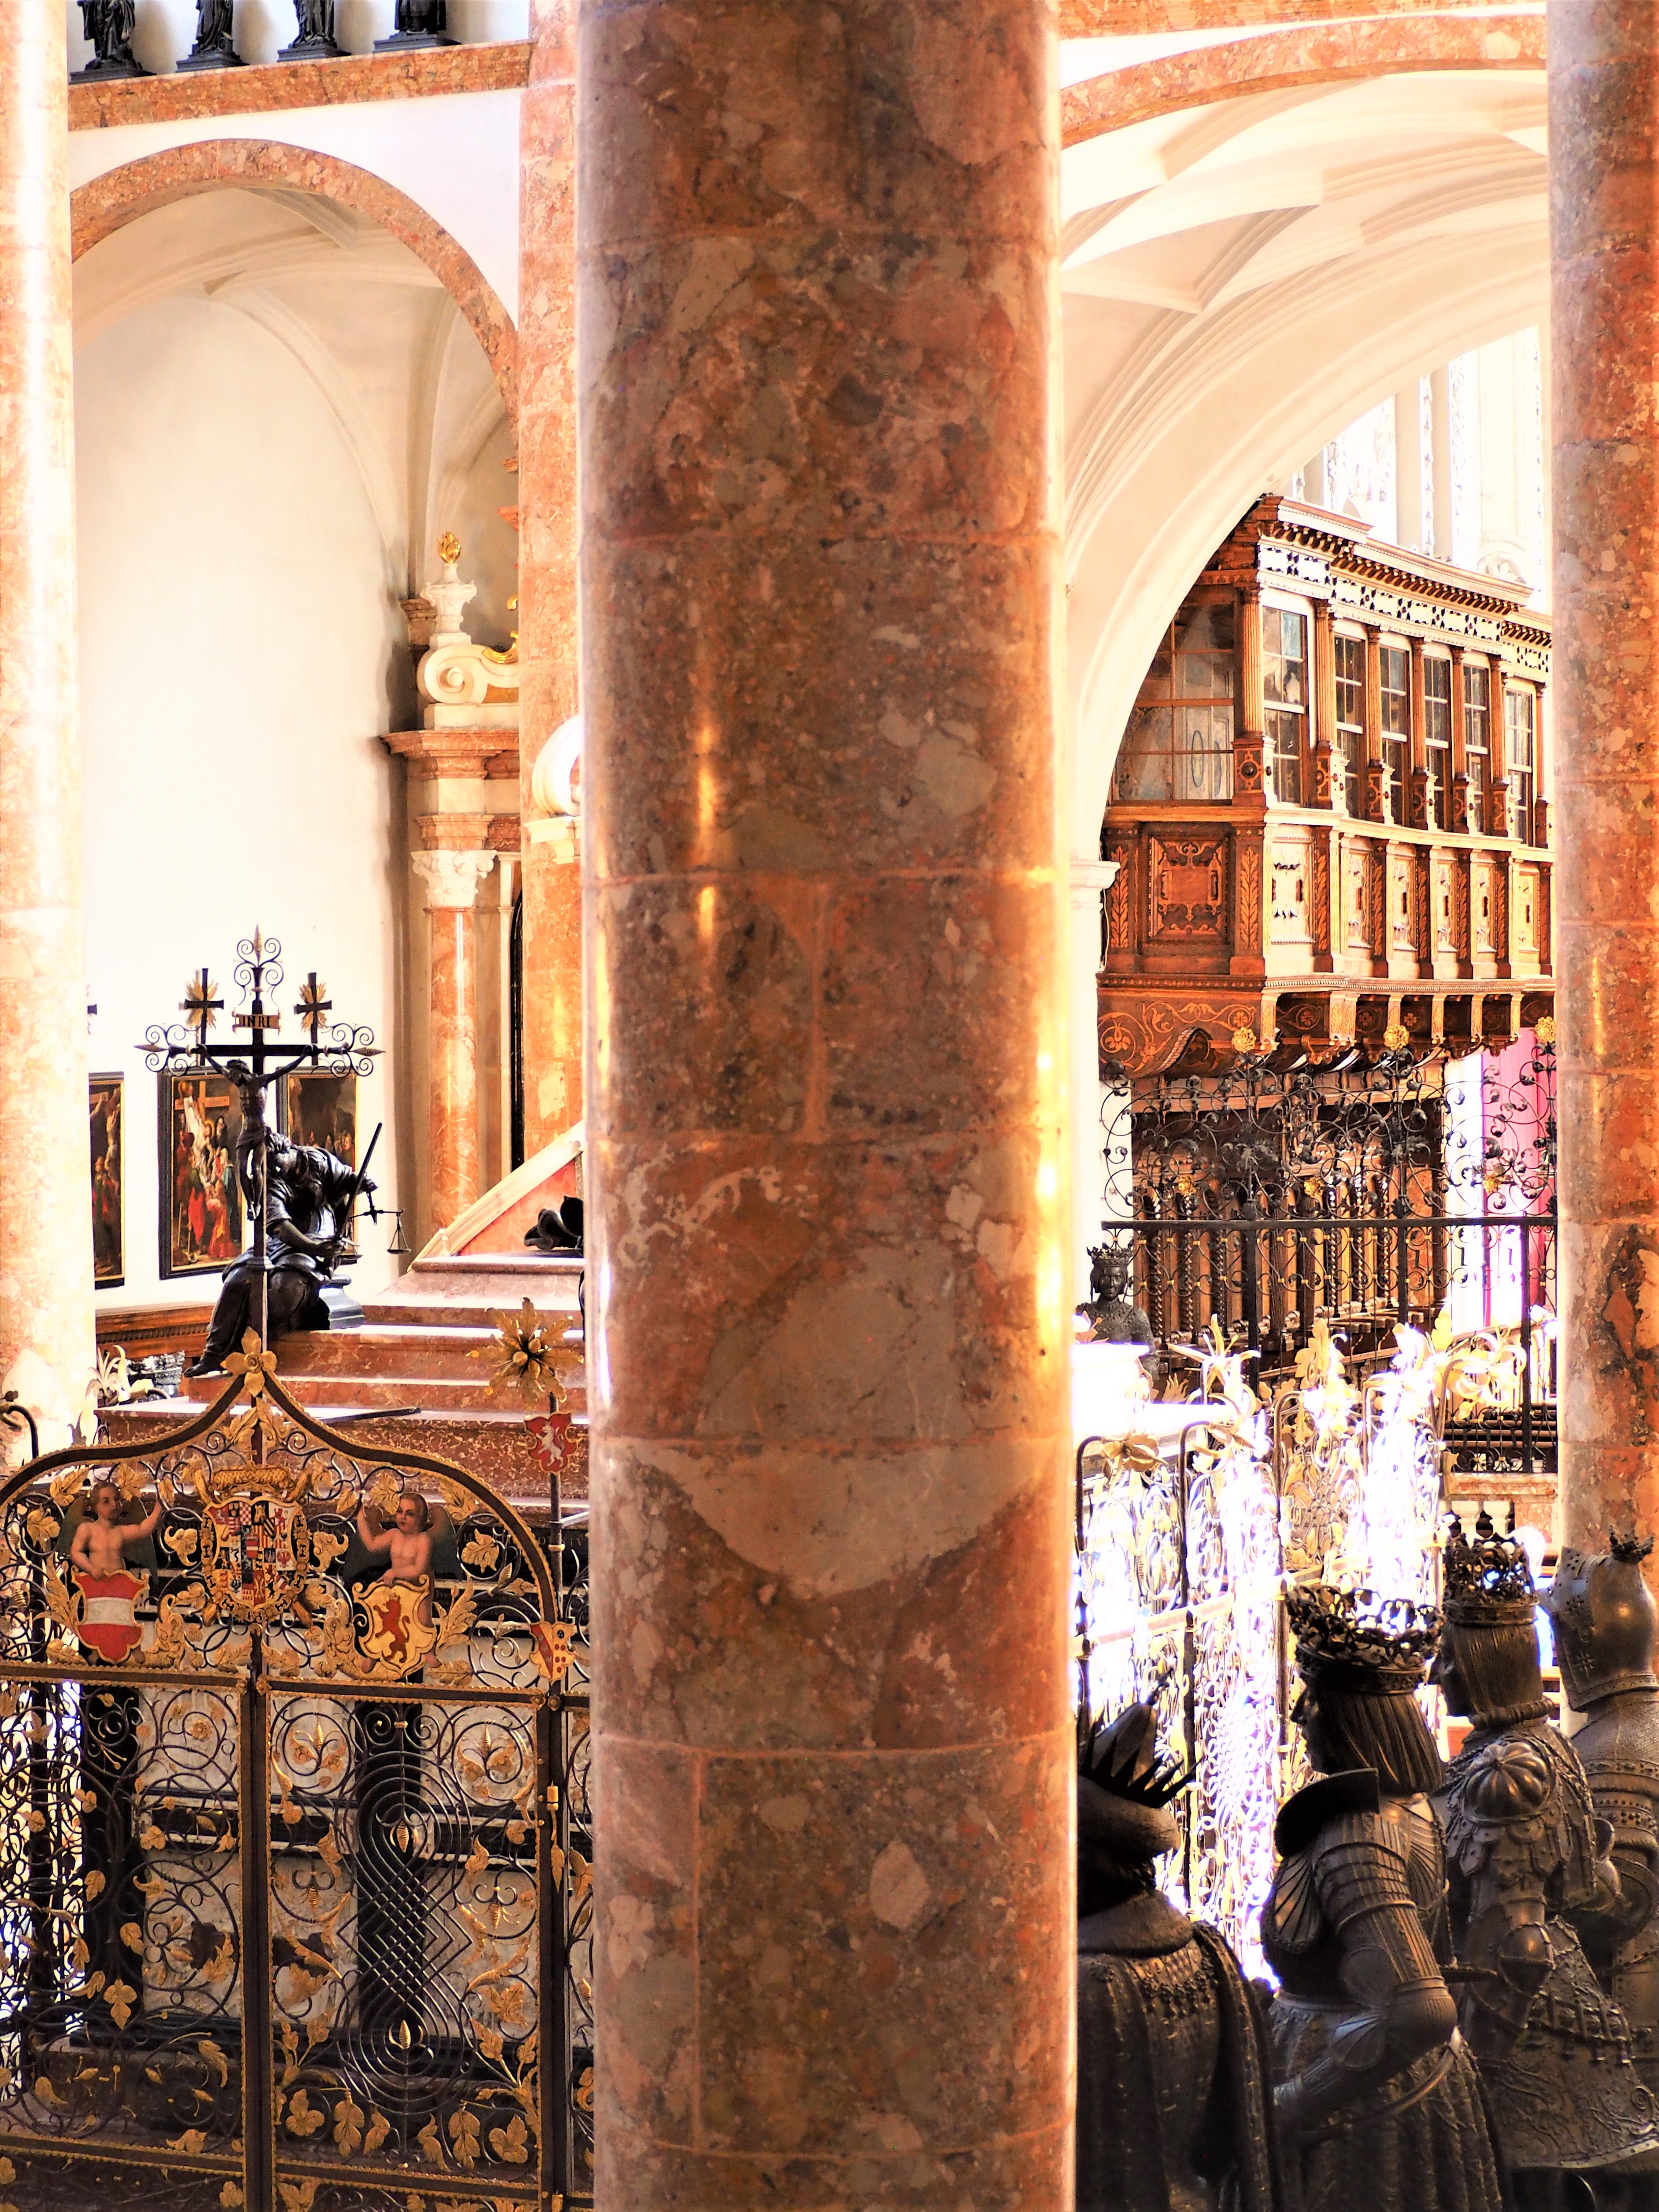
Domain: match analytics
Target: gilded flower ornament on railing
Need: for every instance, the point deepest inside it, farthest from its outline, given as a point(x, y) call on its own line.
point(524, 1348)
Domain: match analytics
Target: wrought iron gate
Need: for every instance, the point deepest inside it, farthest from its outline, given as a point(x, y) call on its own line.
point(293, 1858)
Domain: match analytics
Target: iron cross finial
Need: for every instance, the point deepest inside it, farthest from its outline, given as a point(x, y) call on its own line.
point(200, 1002)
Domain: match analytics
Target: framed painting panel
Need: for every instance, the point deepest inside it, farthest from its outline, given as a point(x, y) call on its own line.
point(106, 1115)
point(320, 1108)
point(200, 1120)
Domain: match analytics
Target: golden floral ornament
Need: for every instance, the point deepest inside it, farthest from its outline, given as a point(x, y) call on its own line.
point(1544, 1030)
point(449, 549)
point(253, 1363)
point(1245, 1039)
point(524, 1347)
point(1396, 1037)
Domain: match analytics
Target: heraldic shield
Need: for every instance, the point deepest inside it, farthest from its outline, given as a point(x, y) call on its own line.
point(255, 1555)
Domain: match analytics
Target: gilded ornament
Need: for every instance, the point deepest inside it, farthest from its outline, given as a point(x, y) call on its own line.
point(1545, 1029)
point(449, 549)
point(524, 1347)
point(1396, 1037)
point(1245, 1039)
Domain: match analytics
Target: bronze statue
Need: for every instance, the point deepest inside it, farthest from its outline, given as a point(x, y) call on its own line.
point(1378, 2104)
point(558, 1228)
point(1172, 2067)
point(108, 25)
point(1114, 1317)
point(310, 1194)
point(1604, 1621)
point(1526, 1855)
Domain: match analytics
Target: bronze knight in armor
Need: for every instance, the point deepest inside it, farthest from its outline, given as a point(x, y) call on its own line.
point(1172, 2072)
point(311, 1193)
point(1378, 2104)
point(1603, 1617)
point(1527, 1856)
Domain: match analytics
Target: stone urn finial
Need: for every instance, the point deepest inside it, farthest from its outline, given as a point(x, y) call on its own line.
point(449, 595)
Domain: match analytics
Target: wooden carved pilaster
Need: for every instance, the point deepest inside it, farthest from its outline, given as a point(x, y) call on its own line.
point(1375, 788)
point(1249, 740)
point(1327, 783)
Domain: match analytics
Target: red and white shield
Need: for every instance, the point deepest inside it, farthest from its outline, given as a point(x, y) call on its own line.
point(107, 1625)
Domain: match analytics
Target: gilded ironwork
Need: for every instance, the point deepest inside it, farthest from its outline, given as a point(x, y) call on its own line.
point(294, 1890)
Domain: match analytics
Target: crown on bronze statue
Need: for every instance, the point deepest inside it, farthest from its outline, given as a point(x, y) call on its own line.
point(1629, 1551)
point(1122, 1759)
point(1488, 1577)
point(1355, 1640)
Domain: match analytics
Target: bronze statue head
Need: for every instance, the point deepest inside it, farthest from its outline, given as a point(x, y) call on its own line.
point(1603, 1620)
point(1488, 1666)
point(1362, 1660)
point(1124, 1824)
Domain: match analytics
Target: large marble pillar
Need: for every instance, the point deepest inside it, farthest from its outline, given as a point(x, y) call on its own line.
point(46, 1218)
point(450, 881)
point(1604, 195)
point(552, 996)
point(828, 1270)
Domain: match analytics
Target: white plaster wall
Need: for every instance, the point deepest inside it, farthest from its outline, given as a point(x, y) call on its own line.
point(239, 649)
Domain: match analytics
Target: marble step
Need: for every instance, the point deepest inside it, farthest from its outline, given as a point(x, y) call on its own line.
point(461, 1354)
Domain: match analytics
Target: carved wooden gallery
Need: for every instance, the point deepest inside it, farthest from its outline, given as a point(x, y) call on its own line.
point(1329, 811)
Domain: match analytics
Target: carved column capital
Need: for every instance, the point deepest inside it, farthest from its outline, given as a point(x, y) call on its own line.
point(451, 879)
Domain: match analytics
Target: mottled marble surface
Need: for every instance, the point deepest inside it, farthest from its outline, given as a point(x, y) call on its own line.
point(826, 1360)
point(262, 89)
point(46, 1346)
point(552, 997)
point(1604, 167)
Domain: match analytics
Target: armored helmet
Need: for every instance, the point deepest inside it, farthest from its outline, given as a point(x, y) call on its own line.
point(1604, 1621)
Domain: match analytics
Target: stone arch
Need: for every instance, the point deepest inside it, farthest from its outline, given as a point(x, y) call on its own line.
point(1312, 58)
point(120, 195)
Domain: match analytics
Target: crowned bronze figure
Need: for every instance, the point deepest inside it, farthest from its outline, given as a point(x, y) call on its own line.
point(1378, 2104)
point(1526, 1854)
point(1604, 1624)
point(1173, 2072)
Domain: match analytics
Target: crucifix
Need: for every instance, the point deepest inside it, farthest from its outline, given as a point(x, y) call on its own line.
point(307, 1252)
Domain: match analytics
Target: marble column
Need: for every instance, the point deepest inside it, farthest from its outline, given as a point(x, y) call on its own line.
point(46, 1352)
point(552, 996)
point(828, 1290)
point(450, 881)
point(1604, 194)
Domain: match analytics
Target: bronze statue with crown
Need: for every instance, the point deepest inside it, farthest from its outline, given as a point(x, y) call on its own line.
point(1378, 2104)
point(1604, 1622)
point(1173, 2070)
point(1527, 1855)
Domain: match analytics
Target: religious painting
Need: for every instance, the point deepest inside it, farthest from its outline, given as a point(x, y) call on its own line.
point(200, 1120)
point(108, 1252)
point(321, 1108)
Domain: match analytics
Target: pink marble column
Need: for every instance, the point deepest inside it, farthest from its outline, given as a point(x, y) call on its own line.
point(834, 1945)
point(45, 1205)
point(451, 880)
point(1604, 192)
point(552, 999)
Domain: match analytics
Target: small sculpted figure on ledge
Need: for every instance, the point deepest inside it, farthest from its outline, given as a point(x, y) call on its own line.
point(1113, 1316)
point(1527, 1856)
point(1173, 2077)
point(1604, 1622)
point(308, 1218)
point(1378, 2104)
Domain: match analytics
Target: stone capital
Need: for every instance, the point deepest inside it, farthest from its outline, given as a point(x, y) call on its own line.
point(451, 879)
point(1089, 879)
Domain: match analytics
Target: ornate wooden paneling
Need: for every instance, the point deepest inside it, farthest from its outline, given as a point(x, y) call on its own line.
point(1187, 887)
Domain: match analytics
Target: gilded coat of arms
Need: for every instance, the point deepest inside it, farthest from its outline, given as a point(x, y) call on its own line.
point(256, 1553)
point(401, 1630)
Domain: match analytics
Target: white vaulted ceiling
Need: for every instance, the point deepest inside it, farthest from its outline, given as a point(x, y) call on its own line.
point(1240, 281)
